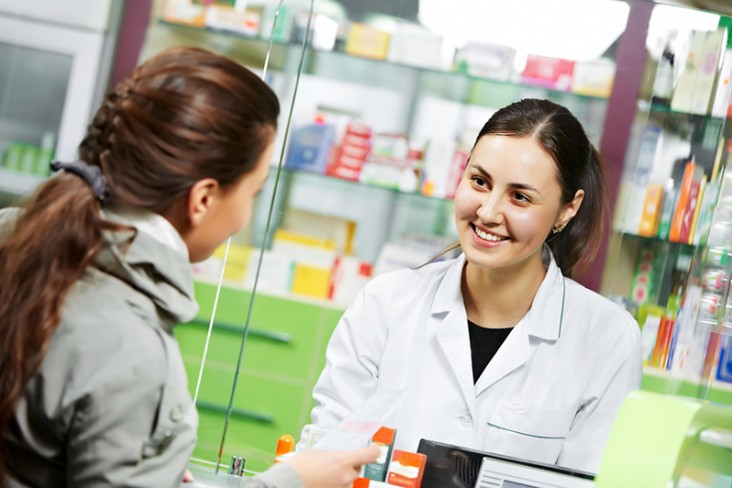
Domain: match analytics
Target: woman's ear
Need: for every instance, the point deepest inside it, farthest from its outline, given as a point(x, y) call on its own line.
point(202, 197)
point(570, 210)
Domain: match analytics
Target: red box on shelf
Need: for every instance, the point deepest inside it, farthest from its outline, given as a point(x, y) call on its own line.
point(548, 72)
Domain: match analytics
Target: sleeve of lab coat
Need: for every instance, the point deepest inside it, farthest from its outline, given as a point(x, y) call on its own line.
point(351, 370)
point(619, 370)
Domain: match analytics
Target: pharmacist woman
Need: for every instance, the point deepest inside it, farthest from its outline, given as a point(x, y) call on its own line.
point(95, 274)
point(500, 349)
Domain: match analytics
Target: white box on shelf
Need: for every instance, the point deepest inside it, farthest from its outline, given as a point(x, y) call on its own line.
point(714, 46)
point(683, 95)
point(416, 46)
point(723, 93)
point(492, 61)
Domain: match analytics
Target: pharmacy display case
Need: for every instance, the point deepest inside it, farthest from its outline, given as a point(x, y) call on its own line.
point(56, 61)
point(669, 245)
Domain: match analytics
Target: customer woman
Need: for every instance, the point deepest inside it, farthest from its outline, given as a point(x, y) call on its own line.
point(95, 274)
point(502, 351)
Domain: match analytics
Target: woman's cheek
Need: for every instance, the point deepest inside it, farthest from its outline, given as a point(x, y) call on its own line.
point(465, 207)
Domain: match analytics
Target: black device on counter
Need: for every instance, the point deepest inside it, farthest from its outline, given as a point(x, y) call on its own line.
point(451, 466)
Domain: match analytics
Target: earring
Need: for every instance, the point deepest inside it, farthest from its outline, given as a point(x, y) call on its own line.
point(558, 228)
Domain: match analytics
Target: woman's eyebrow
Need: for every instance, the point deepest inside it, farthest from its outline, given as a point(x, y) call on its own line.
point(518, 186)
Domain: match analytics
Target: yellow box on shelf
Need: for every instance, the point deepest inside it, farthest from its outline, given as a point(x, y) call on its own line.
point(311, 281)
point(236, 263)
point(313, 257)
point(285, 236)
point(369, 42)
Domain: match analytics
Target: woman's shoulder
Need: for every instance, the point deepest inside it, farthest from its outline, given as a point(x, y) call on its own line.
point(421, 276)
point(596, 308)
point(110, 314)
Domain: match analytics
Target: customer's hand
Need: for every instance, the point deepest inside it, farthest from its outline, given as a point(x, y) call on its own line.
point(331, 469)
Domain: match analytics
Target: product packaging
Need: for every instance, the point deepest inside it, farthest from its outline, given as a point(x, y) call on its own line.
point(310, 146)
point(384, 438)
point(406, 469)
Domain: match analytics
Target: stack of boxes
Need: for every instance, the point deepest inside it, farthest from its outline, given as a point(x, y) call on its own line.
point(349, 156)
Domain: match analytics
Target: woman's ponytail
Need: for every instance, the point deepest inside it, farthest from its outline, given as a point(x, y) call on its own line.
point(55, 239)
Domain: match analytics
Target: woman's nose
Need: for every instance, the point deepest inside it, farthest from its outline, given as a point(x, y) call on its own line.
point(491, 209)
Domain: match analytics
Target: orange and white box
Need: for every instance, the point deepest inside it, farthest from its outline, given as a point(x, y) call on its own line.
point(406, 469)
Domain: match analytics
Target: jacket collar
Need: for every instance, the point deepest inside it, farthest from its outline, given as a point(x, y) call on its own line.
point(544, 318)
point(150, 260)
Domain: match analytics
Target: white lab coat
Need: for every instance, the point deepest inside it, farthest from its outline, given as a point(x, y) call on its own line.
point(550, 394)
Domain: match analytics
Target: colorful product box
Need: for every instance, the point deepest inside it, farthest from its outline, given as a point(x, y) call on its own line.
point(310, 147)
point(406, 469)
point(384, 438)
point(724, 368)
point(349, 157)
point(548, 72)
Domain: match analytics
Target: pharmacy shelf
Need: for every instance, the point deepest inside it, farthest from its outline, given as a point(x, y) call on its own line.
point(350, 183)
point(655, 239)
point(653, 108)
point(235, 285)
point(457, 71)
point(671, 383)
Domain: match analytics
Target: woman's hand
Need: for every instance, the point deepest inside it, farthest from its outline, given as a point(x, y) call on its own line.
point(331, 469)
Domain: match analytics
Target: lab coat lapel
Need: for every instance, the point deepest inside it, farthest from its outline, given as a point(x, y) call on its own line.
point(452, 330)
point(517, 349)
point(543, 322)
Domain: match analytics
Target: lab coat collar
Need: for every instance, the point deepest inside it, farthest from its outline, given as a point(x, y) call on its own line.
point(544, 318)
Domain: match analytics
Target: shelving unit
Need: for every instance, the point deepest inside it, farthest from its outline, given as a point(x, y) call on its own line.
point(666, 382)
point(672, 186)
point(280, 49)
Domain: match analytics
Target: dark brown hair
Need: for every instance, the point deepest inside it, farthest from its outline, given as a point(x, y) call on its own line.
point(184, 115)
point(579, 166)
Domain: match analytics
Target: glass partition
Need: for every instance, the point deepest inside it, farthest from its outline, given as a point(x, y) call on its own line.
point(381, 103)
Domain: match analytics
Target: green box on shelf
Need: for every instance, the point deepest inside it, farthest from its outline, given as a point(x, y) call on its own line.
point(28, 159)
point(43, 162)
point(13, 155)
point(22, 157)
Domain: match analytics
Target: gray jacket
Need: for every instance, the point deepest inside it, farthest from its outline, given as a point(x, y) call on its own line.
point(109, 405)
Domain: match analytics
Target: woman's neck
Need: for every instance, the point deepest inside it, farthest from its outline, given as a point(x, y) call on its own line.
point(499, 298)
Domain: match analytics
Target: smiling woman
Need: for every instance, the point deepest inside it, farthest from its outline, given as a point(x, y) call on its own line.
point(550, 361)
point(544, 163)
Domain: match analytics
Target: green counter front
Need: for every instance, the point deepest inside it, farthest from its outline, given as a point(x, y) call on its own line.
point(284, 355)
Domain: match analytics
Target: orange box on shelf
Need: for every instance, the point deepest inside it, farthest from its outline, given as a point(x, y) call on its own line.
point(684, 190)
point(651, 211)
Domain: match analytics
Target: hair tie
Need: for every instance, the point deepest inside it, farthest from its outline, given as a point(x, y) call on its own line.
point(91, 174)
